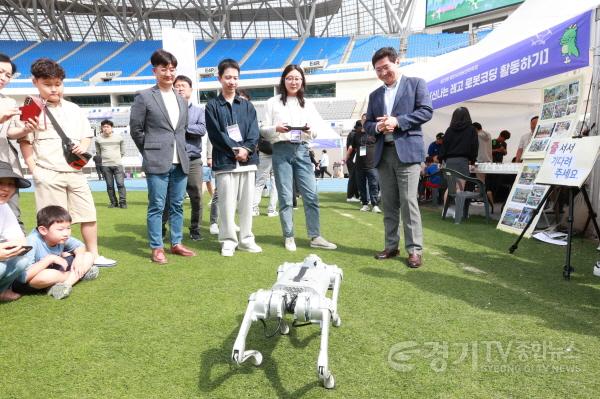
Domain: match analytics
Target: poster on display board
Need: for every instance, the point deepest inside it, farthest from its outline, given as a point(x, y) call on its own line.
point(559, 112)
point(569, 161)
point(524, 198)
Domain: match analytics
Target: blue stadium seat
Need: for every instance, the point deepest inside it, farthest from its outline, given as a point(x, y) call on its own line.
point(12, 47)
point(364, 48)
point(270, 54)
point(318, 48)
point(483, 33)
point(51, 49)
point(132, 58)
point(87, 57)
point(226, 48)
point(432, 45)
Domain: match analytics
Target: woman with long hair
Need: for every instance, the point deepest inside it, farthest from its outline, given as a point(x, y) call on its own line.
point(291, 122)
point(460, 144)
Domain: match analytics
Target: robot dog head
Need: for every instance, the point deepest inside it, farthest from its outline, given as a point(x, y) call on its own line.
point(312, 260)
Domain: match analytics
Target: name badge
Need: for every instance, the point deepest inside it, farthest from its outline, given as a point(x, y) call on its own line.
point(234, 133)
point(362, 151)
point(296, 136)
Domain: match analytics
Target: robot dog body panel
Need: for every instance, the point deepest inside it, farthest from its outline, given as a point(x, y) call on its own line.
point(301, 290)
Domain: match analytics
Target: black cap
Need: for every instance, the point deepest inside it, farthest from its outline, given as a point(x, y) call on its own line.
point(439, 136)
point(7, 171)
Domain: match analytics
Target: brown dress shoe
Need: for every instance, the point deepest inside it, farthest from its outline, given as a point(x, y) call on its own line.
point(414, 261)
point(387, 254)
point(179, 249)
point(158, 256)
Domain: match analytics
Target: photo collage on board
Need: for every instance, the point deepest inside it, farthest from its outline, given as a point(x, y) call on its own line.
point(558, 117)
point(525, 197)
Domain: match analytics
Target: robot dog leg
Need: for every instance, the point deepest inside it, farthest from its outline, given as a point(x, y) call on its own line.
point(262, 305)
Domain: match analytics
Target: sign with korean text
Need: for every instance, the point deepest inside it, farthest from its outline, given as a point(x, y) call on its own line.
point(569, 161)
point(562, 48)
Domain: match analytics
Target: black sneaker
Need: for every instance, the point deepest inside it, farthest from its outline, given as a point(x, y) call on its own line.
point(113, 206)
point(195, 235)
point(123, 205)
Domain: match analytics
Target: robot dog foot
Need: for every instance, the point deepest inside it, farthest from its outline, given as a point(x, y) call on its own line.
point(255, 357)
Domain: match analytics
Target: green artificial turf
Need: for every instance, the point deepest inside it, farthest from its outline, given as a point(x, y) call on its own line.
point(147, 331)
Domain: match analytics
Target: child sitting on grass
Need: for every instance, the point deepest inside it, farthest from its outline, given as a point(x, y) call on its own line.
point(57, 260)
point(12, 239)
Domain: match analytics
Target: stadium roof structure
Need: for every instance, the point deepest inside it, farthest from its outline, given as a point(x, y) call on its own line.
point(129, 20)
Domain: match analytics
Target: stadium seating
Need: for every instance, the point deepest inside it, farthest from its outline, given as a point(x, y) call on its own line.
point(365, 47)
point(92, 54)
point(226, 48)
point(200, 46)
point(318, 48)
point(270, 54)
point(483, 33)
point(431, 45)
point(132, 58)
point(50, 49)
point(13, 47)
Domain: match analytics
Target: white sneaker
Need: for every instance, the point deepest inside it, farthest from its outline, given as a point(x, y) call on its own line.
point(290, 244)
point(255, 212)
point(365, 208)
point(214, 229)
point(272, 214)
point(376, 209)
point(250, 247)
point(227, 252)
point(320, 242)
point(353, 199)
point(101, 261)
point(597, 269)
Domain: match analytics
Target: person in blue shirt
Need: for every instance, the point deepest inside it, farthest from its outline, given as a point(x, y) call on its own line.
point(435, 146)
point(56, 261)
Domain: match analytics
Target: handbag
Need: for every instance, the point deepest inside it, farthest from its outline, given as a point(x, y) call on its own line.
point(75, 161)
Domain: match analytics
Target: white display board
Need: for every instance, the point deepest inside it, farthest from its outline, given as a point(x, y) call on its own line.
point(183, 46)
point(569, 161)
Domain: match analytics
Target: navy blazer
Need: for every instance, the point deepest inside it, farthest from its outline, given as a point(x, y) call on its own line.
point(154, 136)
point(412, 108)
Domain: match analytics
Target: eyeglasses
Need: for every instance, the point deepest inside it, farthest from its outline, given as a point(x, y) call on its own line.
point(293, 79)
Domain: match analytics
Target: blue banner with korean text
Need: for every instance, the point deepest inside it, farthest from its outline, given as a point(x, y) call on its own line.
point(562, 48)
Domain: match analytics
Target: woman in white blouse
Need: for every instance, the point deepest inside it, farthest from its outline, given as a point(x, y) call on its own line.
point(291, 122)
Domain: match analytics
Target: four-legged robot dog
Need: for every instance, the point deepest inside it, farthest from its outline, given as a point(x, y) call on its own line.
point(301, 290)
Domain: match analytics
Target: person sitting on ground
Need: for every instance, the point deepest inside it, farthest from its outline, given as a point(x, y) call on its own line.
point(12, 239)
point(57, 260)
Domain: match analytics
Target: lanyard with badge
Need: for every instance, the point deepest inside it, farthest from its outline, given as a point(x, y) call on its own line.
point(363, 145)
point(233, 130)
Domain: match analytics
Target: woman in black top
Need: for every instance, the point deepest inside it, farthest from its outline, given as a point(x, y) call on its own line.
point(460, 144)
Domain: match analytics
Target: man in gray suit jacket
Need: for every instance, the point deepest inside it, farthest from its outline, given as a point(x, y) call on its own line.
point(395, 114)
point(159, 117)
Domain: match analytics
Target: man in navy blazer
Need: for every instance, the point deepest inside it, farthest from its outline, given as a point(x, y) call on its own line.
point(158, 121)
point(395, 114)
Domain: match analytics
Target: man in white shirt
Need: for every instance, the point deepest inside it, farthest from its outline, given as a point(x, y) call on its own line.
point(526, 138)
point(485, 144)
point(324, 163)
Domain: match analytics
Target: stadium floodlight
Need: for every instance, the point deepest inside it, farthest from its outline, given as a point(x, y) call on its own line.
point(207, 71)
point(105, 76)
point(311, 65)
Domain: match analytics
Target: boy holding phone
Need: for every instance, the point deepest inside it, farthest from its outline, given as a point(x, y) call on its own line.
point(12, 239)
point(57, 260)
point(56, 182)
